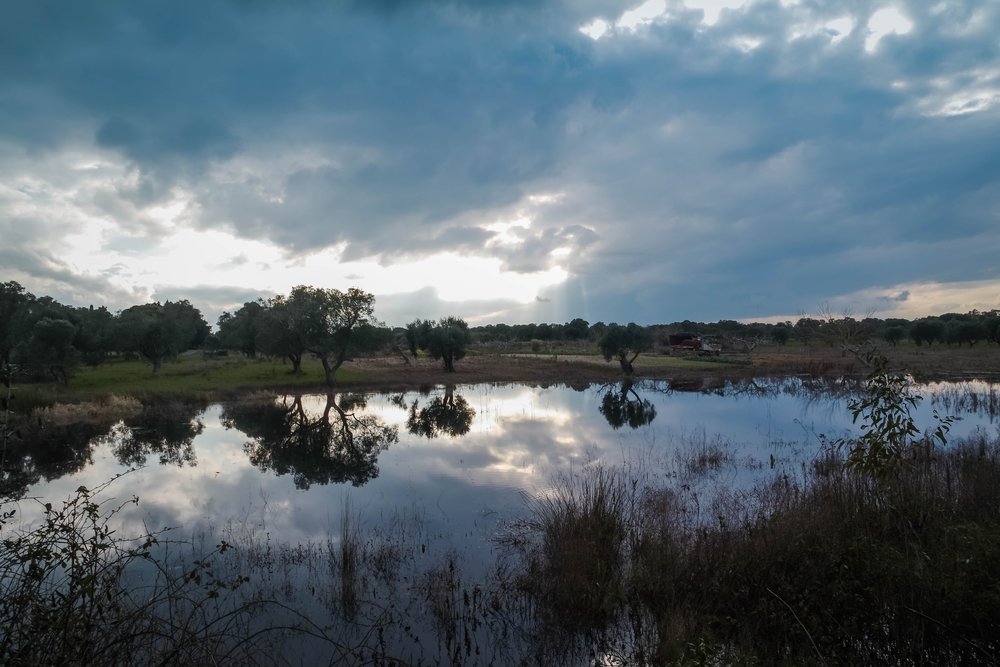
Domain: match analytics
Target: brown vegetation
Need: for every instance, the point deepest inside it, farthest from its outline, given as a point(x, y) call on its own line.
point(574, 368)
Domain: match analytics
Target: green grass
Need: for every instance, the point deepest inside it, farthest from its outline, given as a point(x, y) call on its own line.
point(189, 374)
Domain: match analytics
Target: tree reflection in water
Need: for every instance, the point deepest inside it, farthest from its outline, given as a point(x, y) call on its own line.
point(338, 445)
point(625, 407)
point(167, 430)
point(444, 415)
point(33, 452)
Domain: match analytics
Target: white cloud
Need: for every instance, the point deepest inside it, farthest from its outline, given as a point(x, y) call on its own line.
point(645, 13)
point(713, 8)
point(595, 29)
point(886, 21)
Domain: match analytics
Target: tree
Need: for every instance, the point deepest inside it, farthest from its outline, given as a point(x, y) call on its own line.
point(970, 332)
point(159, 332)
point(49, 348)
point(806, 329)
point(576, 329)
point(13, 299)
point(238, 331)
point(447, 341)
point(329, 320)
point(279, 331)
point(894, 334)
point(416, 334)
point(928, 330)
point(625, 343)
point(780, 334)
point(95, 334)
point(192, 329)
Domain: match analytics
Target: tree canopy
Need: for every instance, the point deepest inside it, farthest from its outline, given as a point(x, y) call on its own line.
point(160, 331)
point(446, 339)
point(329, 319)
point(625, 343)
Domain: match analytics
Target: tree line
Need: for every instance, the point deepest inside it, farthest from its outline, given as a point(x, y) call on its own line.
point(43, 338)
point(950, 329)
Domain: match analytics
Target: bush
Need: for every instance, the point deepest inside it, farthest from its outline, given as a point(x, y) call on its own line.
point(69, 593)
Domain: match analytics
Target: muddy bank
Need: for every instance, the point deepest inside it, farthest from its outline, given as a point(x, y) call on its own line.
point(939, 363)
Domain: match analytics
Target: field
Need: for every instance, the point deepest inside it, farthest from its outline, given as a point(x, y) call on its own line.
point(571, 364)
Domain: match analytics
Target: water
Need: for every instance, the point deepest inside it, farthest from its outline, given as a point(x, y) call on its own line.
point(429, 478)
point(461, 458)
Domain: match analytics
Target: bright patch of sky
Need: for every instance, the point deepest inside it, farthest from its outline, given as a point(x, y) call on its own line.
point(219, 257)
point(886, 21)
point(713, 8)
point(653, 10)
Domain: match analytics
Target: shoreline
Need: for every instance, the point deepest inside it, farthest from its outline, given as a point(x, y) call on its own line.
point(207, 379)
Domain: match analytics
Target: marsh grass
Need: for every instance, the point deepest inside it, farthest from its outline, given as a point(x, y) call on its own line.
point(577, 565)
point(835, 566)
point(105, 410)
point(350, 553)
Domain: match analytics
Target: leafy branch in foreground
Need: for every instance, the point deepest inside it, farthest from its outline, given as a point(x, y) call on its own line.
point(888, 428)
point(72, 592)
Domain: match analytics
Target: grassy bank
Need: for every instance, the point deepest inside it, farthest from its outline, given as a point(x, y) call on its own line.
point(190, 375)
point(211, 377)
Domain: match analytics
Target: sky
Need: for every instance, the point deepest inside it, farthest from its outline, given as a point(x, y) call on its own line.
point(507, 160)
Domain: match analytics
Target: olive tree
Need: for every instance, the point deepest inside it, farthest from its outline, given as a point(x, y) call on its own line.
point(278, 331)
point(160, 331)
point(625, 343)
point(329, 319)
point(447, 341)
point(238, 330)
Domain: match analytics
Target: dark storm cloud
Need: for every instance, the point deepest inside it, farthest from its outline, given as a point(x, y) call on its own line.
point(697, 177)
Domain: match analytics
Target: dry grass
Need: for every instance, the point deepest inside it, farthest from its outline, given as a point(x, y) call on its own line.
point(106, 410)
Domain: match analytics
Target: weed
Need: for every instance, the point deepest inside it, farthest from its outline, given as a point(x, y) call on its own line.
point(69, 593)
point(888, 428)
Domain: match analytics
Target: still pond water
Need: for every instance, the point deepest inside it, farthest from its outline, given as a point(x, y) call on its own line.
point(461, 459)
point(431, 486)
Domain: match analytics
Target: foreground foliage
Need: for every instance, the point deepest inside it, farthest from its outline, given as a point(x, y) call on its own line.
point(72, 591)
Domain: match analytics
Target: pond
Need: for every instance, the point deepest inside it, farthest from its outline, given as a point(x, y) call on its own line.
point(431, 481)
point(460, 455)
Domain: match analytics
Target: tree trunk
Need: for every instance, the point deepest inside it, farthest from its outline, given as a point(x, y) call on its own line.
point(329, 370)
point(296, 360)
point(626, 364)
point(157, 363)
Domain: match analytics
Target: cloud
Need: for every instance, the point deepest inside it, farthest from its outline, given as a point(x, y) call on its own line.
point(693, 160)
